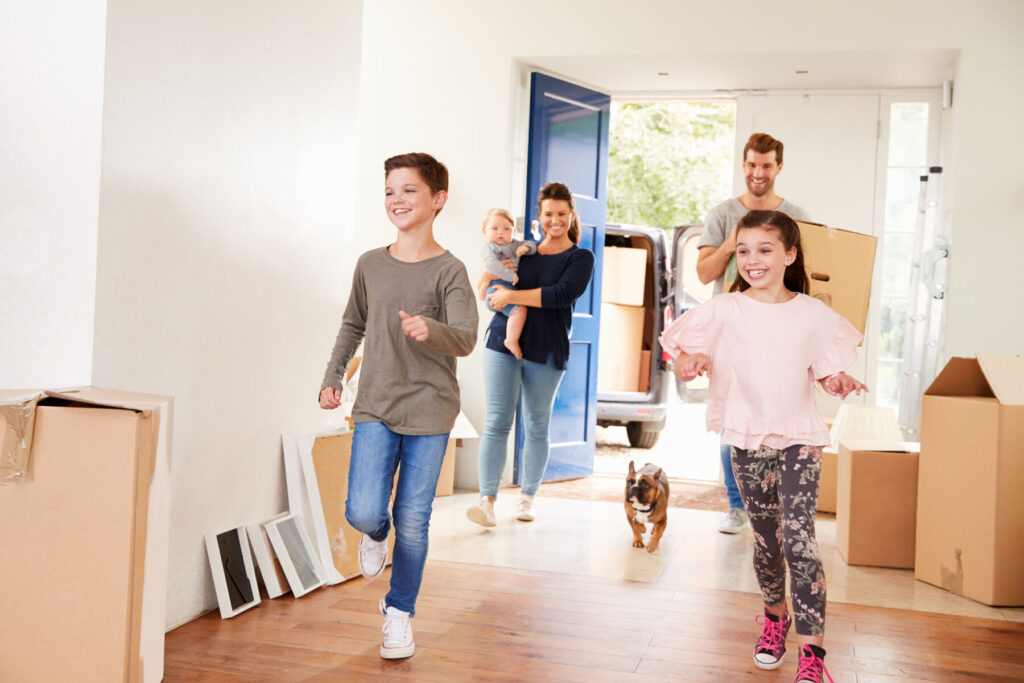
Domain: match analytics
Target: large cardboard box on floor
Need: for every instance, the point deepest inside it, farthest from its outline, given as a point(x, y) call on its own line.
point(624, 276)
point(876, 502)
point(83, 577)
point(839, 267)
point(618, 355)
point(970, 519)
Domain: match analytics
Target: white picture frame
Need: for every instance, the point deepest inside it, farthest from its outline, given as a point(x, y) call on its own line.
point(234, 576)
point(303, 494)
point(300, 562)
point(266, 560)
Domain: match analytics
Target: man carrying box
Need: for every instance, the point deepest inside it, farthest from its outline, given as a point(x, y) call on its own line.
point(762, 162)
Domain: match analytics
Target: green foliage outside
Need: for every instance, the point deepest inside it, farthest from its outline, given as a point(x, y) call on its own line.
point(669, 162)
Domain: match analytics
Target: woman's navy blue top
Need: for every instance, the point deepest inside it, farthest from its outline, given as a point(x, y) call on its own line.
point(562, 278)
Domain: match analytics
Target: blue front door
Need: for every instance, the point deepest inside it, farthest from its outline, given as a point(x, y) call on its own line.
point(569, 144)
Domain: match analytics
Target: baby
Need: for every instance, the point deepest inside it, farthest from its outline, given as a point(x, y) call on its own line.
point(499, 229)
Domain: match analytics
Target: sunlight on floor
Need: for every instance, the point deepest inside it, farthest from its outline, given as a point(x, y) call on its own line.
point(685, 449)
point(591, 538)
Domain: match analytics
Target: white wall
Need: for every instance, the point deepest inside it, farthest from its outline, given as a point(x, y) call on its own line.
point(454, 99)
point(225, 231)
point(51, 95)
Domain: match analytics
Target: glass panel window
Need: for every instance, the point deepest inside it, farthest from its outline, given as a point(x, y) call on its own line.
point(902, 187)
point(907, 162)
point(896, 264)
point(894, 320)
point(908, 134)
point(888, 392)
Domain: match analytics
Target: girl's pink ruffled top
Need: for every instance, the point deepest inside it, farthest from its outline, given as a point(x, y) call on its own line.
point(765, 359)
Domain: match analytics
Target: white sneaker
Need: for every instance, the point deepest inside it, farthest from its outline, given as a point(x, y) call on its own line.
point(734, 521)
point(373, 555)
point(524, 511)
point(482, 513)
point(398, 642)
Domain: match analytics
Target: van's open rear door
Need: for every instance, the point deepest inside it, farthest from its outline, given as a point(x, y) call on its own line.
point(688, 292)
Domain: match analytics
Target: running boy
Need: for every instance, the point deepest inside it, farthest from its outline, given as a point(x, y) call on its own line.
point(499, 229)
point(413, 304)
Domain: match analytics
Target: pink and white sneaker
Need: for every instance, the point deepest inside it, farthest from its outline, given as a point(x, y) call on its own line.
point(771, 646)
point(812, 665)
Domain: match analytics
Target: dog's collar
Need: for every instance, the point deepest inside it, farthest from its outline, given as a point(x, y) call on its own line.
point(642, 510)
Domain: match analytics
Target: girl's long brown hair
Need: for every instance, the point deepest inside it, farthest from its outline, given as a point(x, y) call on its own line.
point(795, 278)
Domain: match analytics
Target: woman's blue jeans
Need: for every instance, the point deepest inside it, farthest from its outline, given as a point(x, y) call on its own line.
point(504, 375)
point(377, 453)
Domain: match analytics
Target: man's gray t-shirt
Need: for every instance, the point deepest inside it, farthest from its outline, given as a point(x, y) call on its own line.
point(408, 385)
point(724, 217)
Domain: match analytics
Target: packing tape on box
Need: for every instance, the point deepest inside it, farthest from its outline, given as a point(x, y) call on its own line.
point(16, 440)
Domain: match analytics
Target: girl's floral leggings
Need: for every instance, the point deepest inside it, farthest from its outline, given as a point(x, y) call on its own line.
point(780, 491)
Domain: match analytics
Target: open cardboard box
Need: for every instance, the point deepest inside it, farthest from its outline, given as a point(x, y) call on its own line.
point(970, 520)
point(839, 266)
point(84, 569)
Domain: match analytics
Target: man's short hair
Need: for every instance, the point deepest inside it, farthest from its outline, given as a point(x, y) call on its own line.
point(433, 172)
point(762, 143)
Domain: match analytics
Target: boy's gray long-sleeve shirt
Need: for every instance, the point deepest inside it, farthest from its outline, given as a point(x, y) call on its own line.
point(408, 385)
point(495, 253)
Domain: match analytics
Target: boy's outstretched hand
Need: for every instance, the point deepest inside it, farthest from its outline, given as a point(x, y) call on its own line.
point(842, 385)
point(414, 326)
point(688, 366)
point(330, 398)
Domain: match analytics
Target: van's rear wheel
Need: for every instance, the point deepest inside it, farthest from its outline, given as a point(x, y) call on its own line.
point(638, 438)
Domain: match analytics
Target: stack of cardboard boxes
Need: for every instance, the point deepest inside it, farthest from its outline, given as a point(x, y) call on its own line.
point(952, 511)
point(621, 355)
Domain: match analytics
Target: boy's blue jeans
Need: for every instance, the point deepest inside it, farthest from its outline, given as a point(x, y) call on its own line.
point(504, 374)
point(376, 454)
point(732, 491)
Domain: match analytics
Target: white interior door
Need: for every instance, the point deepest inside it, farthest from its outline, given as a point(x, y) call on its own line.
point(829, 169)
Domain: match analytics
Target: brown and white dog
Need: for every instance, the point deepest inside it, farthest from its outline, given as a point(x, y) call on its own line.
point(647, 503)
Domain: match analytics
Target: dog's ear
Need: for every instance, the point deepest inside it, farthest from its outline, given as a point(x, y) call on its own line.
point(632, 470)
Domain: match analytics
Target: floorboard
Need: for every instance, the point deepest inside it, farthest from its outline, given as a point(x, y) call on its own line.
point(477, 623)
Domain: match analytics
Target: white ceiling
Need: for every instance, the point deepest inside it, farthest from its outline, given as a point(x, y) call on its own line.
point(734, 71)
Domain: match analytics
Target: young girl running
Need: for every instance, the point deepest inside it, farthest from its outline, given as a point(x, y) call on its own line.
point(763, 346)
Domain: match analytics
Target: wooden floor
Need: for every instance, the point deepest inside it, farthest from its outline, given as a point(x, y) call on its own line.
point(487, 623)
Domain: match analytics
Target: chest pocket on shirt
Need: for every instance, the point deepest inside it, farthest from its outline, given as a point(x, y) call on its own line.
point(427, 310)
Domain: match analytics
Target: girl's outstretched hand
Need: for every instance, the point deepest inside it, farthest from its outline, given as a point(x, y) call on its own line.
point(688, 366)
point(842, 385)
point(414, 326)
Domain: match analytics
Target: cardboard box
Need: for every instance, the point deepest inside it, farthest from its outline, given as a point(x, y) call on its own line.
point(839, 265)
point(970, 520)
point(334, 539)
point(876, 502)
point(618, 355)
point(827, 480)
point(644, 381)
point(83, 577)
point(624, 276)
point(853, 422)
